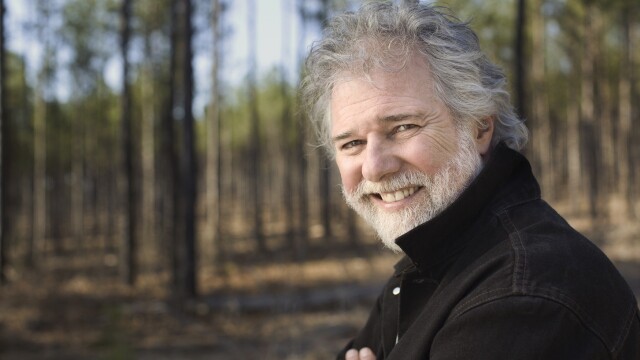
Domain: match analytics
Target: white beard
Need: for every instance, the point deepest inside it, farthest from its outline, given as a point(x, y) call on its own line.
point(437, 193)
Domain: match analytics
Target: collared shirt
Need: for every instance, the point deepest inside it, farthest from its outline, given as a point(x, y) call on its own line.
point(500, 275)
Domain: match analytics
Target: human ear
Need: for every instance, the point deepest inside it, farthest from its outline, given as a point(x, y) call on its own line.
point(483, 136)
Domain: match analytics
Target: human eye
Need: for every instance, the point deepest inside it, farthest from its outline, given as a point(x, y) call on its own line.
point(350, 145)
point(403, 127)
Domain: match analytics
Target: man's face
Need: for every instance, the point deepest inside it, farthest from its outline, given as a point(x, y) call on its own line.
point(401, 157)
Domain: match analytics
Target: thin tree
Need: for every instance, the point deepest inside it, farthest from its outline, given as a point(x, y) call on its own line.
point(589, 144)
point(519, 59)
point(77, 179)
point(170, 166)
point(214, 139)
point(3, 150)
point(189, 157)
point(129, 264)
point(37, 240)
point(539, 101)
point(572, 136)
point(625, 116)
point(605, 124)
point(286, 124)
point(254, 142)
point(301, 131)
point(324, 164)
point(147, 134)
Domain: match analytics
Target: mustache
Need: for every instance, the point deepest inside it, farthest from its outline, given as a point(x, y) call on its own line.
point(397, 182)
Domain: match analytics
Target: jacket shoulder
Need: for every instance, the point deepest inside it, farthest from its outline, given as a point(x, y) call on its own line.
point(554, 261)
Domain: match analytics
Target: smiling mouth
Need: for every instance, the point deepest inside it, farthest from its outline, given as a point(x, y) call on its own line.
point(397, 195)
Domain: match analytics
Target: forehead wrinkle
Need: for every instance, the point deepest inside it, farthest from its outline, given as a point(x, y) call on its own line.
point(385, 109)
point(346, 108)
point(399, 117)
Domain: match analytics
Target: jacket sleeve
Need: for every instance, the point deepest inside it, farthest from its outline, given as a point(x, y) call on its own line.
point(518, 327)
point(370, 335)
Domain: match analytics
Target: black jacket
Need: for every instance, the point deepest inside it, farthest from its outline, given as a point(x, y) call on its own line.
point(500, 275)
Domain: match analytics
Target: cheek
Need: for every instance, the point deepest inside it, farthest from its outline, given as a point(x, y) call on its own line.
point(422, 158)
point(432, 154)
point(350, 173)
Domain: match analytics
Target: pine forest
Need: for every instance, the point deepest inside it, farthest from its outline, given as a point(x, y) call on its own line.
point(162, 195)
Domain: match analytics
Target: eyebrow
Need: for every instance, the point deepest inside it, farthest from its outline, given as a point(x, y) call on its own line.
point(385, 119)
point(398, 117)
point(342, 136)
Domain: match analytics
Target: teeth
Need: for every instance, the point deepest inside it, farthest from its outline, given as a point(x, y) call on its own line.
point(398, 194)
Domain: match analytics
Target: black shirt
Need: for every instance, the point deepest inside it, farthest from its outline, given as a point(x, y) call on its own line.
point(500, 275)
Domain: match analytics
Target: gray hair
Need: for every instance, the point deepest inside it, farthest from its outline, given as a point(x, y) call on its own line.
point(383, 36)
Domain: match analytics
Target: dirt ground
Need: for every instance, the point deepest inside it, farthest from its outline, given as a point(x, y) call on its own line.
point(75, 307)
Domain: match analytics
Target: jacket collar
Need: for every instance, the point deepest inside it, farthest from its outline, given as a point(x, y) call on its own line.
point(505, 180)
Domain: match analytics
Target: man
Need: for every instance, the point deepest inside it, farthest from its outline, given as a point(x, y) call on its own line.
point(425, 138)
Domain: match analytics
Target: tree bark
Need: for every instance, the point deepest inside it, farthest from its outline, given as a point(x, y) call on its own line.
point(254, 146)
point(625, 118)
point(589, 145)
point(519, 59)
point(324, 163)
point(148, 107)
point(540, 105)
point(170, 177)
point(78, 181)
point(301, 138)
point(4, 119)
point(189, 158)
point(605, 123)
point(286, 123)
point(214, 141)
point(37, 243)
point(634, 147)
point(573, 138)
point(129, 246)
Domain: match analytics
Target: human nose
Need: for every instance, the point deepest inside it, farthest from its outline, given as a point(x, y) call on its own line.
point(379, 160)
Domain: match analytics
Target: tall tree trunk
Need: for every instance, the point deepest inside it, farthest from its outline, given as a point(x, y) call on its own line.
point(519, 59)
point(3, 151)
point(324, 163)
point(573, 139)
point(36, 247)
point(213, 183)
point(129, 246)
point(78, 181)
point(634, 150)
point(170, 167)
point(113, 202)
point(540, 105)
point(37, 243)
point(254, 146)
point(605, 127)
point(625, 118)
point(572, 135)
point(189, 158)
point(301, 132)
point(589, 145)
point(148, 152)
point(286, 123)
point(603, 148)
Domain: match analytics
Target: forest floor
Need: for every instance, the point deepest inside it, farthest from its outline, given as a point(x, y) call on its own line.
point(75, 307)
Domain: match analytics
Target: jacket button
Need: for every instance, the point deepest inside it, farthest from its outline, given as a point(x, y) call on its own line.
point(396, 290)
